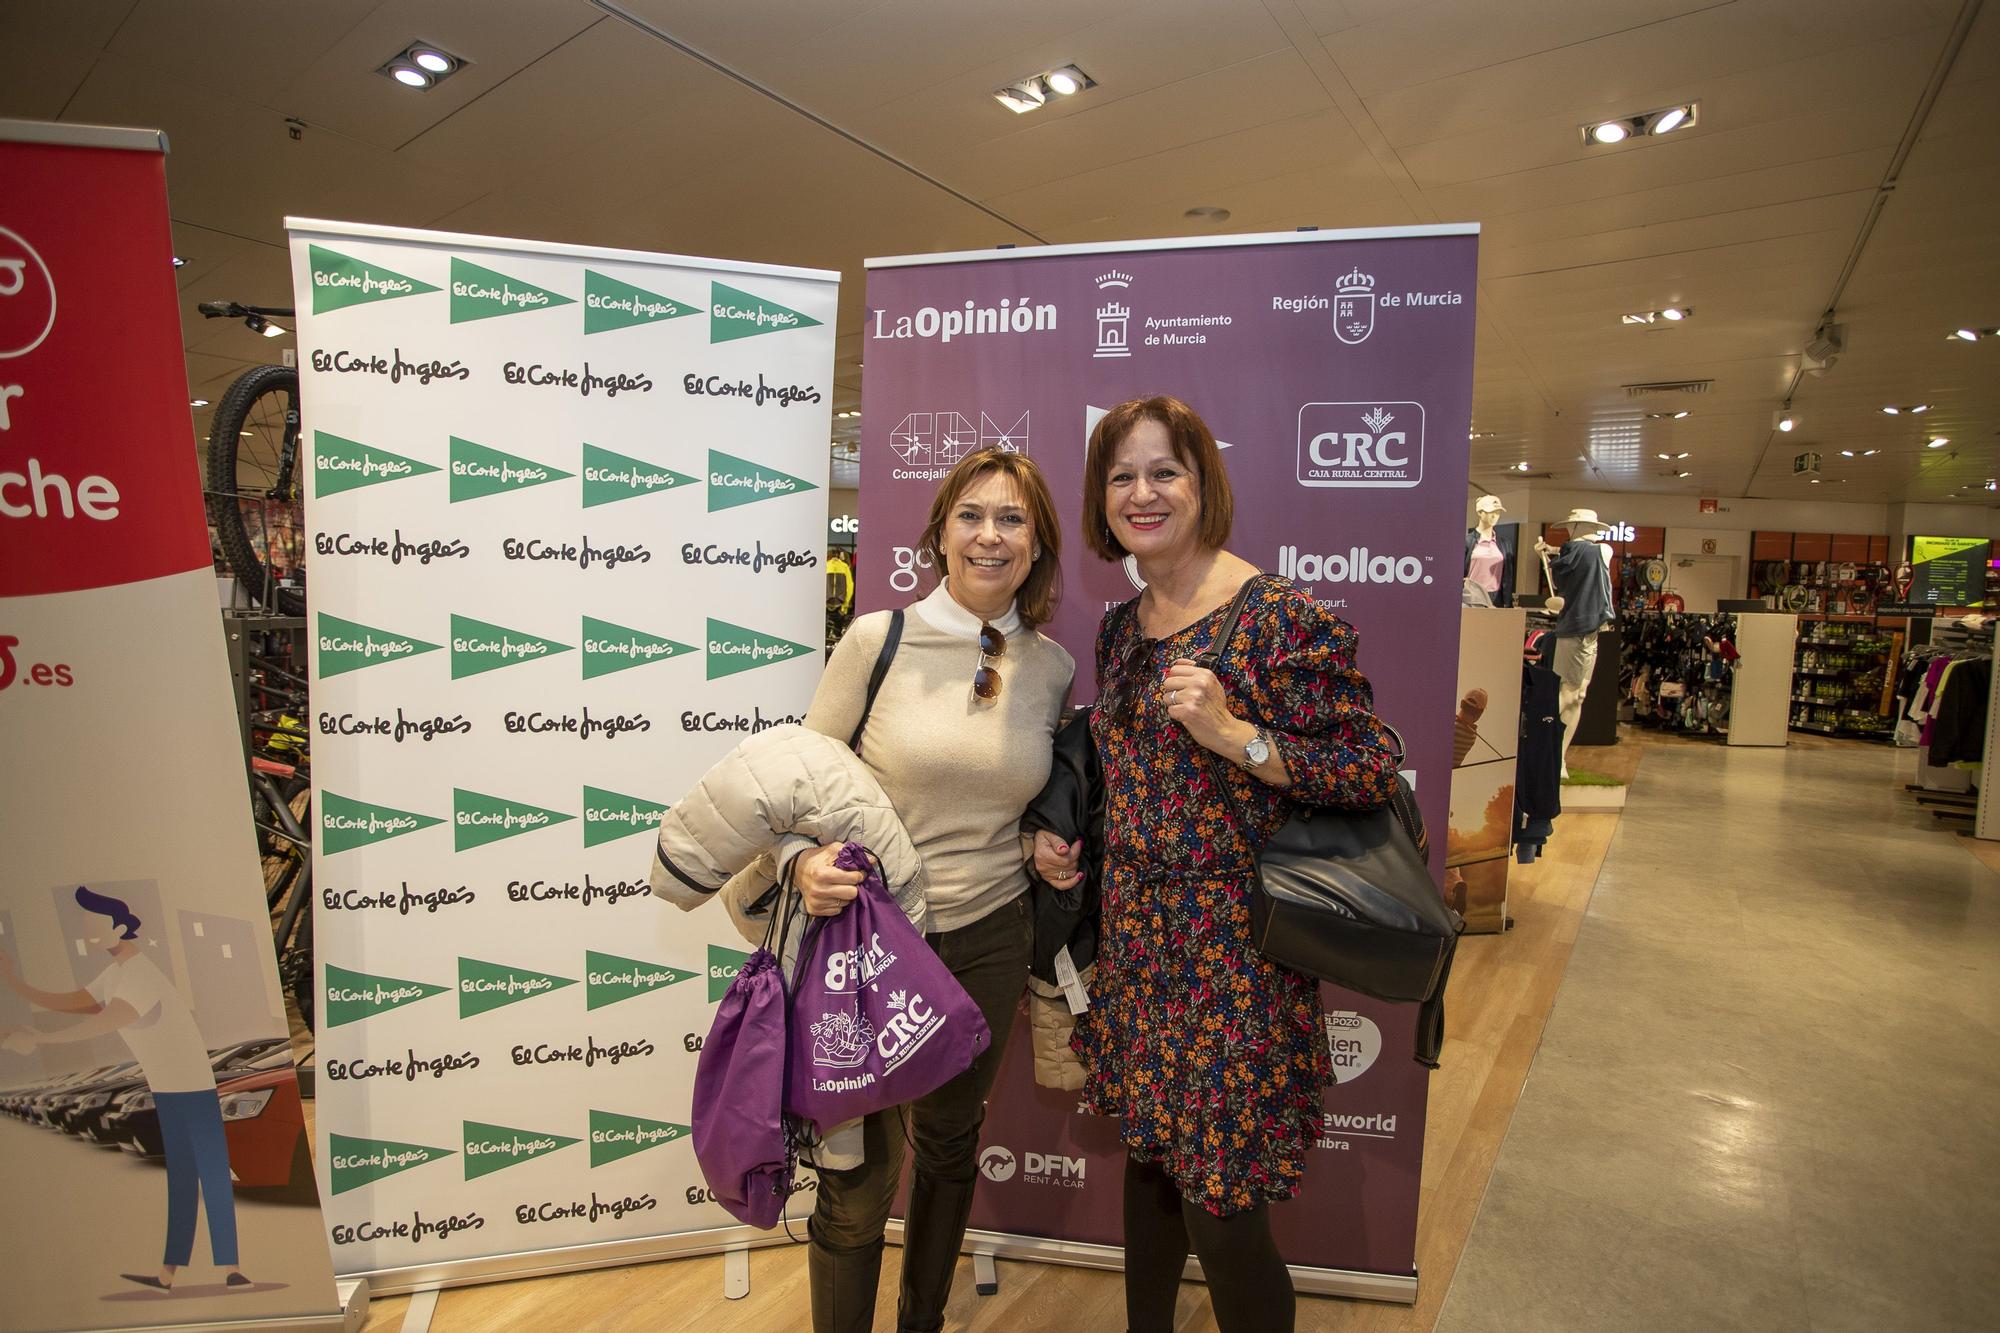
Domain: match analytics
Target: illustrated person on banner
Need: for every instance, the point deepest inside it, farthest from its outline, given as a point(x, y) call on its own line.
point(136, 1000)
point(1212, 1056)
point(960, 738)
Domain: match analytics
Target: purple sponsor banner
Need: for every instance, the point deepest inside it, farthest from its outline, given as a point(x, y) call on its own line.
point(1336, 369)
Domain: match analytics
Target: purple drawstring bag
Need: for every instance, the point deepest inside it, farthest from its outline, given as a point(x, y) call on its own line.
point(740, 1137)
point(877, 1019)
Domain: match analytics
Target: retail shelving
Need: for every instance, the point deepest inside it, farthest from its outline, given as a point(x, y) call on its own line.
point(1843, 677)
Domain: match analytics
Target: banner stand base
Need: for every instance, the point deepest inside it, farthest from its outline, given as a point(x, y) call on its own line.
point(353, 1293)
point(986, 1245)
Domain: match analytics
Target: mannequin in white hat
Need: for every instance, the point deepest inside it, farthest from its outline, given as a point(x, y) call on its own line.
point(1580, 570)
point(1489, 553)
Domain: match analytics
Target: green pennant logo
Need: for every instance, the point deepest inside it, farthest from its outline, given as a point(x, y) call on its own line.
point(478, 647)
point(348, 645)
point(353, 996)
point(613, 1136)
point(490, 1148)
point(357, 1162)
point(480, 293)
point(483, 986)
point(609, 816)
point(608, 648)
point(478, 819)
point(478, 471)
point(723, 965)
point(345, 465)
point(610, 978)
point(346, 824)
point(609, 477)
point(610, 304)
point(340, 281)
point(733, 649)
point(736, 481)
point(734, 314)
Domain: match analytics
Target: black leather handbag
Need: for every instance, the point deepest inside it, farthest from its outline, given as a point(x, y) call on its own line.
point(1346, 896)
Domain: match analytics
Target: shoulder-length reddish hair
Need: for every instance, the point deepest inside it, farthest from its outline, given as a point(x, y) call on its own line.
point(1041, 593)
point(1194, 445)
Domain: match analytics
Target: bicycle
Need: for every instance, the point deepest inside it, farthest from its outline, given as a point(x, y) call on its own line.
point(254, 438)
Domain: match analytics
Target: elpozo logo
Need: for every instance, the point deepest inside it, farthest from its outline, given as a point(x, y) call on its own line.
point(1352, 1042)
point(340, 281)
point(1369, 444)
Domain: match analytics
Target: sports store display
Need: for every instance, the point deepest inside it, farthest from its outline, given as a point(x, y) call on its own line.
point(1336, 370)
point(566, 511)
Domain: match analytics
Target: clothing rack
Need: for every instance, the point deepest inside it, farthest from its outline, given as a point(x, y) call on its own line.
point(1949, 681)
point(1678, 669)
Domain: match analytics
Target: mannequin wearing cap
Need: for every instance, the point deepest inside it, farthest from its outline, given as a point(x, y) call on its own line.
point(1580, 570)
point(1489, 553)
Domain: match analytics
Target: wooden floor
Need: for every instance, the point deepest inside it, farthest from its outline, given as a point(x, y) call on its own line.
point(1502, 989)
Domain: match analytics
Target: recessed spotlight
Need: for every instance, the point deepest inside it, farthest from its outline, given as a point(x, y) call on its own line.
point(1661, 120)
point(422, 65)
point(1683, 454)
point(1992, 485)
point(1673, 312)
point(1611, 131)
point(1870, 453)
point(1669, 120)
point(1640, 317)
point(1937, 442)
point(179, 262)
point(1785, 421)
point(1683, 474)
point(1847, 453)
point(1068, 81)
point(1020, 98)
point(1683, 413)
point(1912, 409)
point(1664, 458)
point(1520, 467)
point(1034, 92)
point(197, 402)
point(1967, 335)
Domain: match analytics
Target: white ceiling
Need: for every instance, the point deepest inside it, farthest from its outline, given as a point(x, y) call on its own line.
point(820, 132)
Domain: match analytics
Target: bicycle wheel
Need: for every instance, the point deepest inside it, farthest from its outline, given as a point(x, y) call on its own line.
point(256, 488)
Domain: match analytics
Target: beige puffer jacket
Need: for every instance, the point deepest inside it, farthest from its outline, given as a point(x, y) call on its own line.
point(780, 792)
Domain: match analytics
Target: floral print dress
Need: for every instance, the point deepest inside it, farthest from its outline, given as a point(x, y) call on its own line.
point(1213, 1057)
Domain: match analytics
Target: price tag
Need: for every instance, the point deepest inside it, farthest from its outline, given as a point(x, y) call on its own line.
point(1066, 977)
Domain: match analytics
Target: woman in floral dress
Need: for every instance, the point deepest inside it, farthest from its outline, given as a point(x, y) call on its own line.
point(1213, 1057)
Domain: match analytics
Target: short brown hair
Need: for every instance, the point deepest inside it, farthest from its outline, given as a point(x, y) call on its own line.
point(1194, 445)
point(1042, 591)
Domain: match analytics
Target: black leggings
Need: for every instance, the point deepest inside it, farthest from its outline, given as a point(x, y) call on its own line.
point(1248, 1282)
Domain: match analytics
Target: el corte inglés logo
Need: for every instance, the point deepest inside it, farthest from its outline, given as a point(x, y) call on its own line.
point(483, 986)
point(347, 465)
point(613, 1136)
point(478, 292)
point(736, 481)
point(609, 979)
point(610, 815)
point(610, 304)
point(352, 996)
point(723, 965)
point(734, 314)
point(608, 648)
point(477, 470)
point(348, 645)
point(346, 823)
point(339, 281)
point(609, 477)
point(478, 819)
point(490, 1148)
point(732, 649)
point(357, 1162)
point(478, 647)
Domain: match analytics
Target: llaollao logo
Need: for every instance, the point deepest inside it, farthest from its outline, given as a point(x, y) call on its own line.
point(339, 281)
point(997, 1164)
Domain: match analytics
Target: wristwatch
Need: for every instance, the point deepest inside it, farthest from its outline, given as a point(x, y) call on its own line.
point(1257, 750)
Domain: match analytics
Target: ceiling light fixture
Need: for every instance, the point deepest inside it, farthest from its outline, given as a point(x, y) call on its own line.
point(1913, 409)
point(1034, 92)
point(197, 402)
point(1784, 420)
point(422, 65)
point(1847, 453)
point(1937, 442)
point(1208, 213)
point(1662, 120)
point(1683, 474)
point(1672, 314)
point(1870, 453)
point(1683, 454)
point(1521, 467)
point(179, 262)
point(1813, 481)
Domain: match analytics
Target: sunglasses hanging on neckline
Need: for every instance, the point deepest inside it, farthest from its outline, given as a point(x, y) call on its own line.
point(986, 679)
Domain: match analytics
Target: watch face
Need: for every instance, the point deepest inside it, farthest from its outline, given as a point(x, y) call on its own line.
point(1257, 751)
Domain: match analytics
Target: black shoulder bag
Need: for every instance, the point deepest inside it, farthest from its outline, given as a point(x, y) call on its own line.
point(1346, 896)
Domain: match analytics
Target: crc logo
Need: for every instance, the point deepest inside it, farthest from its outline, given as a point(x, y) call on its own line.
point(1365, 444)
point(27, 296)
point(997, 1164)
point(1354, 307)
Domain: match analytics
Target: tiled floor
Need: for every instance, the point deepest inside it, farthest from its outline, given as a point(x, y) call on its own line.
point(1769, 1095)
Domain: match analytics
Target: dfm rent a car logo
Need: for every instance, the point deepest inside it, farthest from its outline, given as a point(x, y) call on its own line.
point(999, 1164)
point(1365, 444)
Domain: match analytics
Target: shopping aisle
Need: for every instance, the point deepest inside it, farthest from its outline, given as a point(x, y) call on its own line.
point(1769, 1095)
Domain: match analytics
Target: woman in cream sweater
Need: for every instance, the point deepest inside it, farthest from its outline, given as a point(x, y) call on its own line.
point(959, 738)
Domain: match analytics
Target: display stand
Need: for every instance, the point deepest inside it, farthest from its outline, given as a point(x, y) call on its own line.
point(1760, 699)
point(1597, 724)
point(1486, 744)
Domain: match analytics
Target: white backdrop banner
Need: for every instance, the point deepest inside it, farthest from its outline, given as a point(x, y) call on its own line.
point(567, 512)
